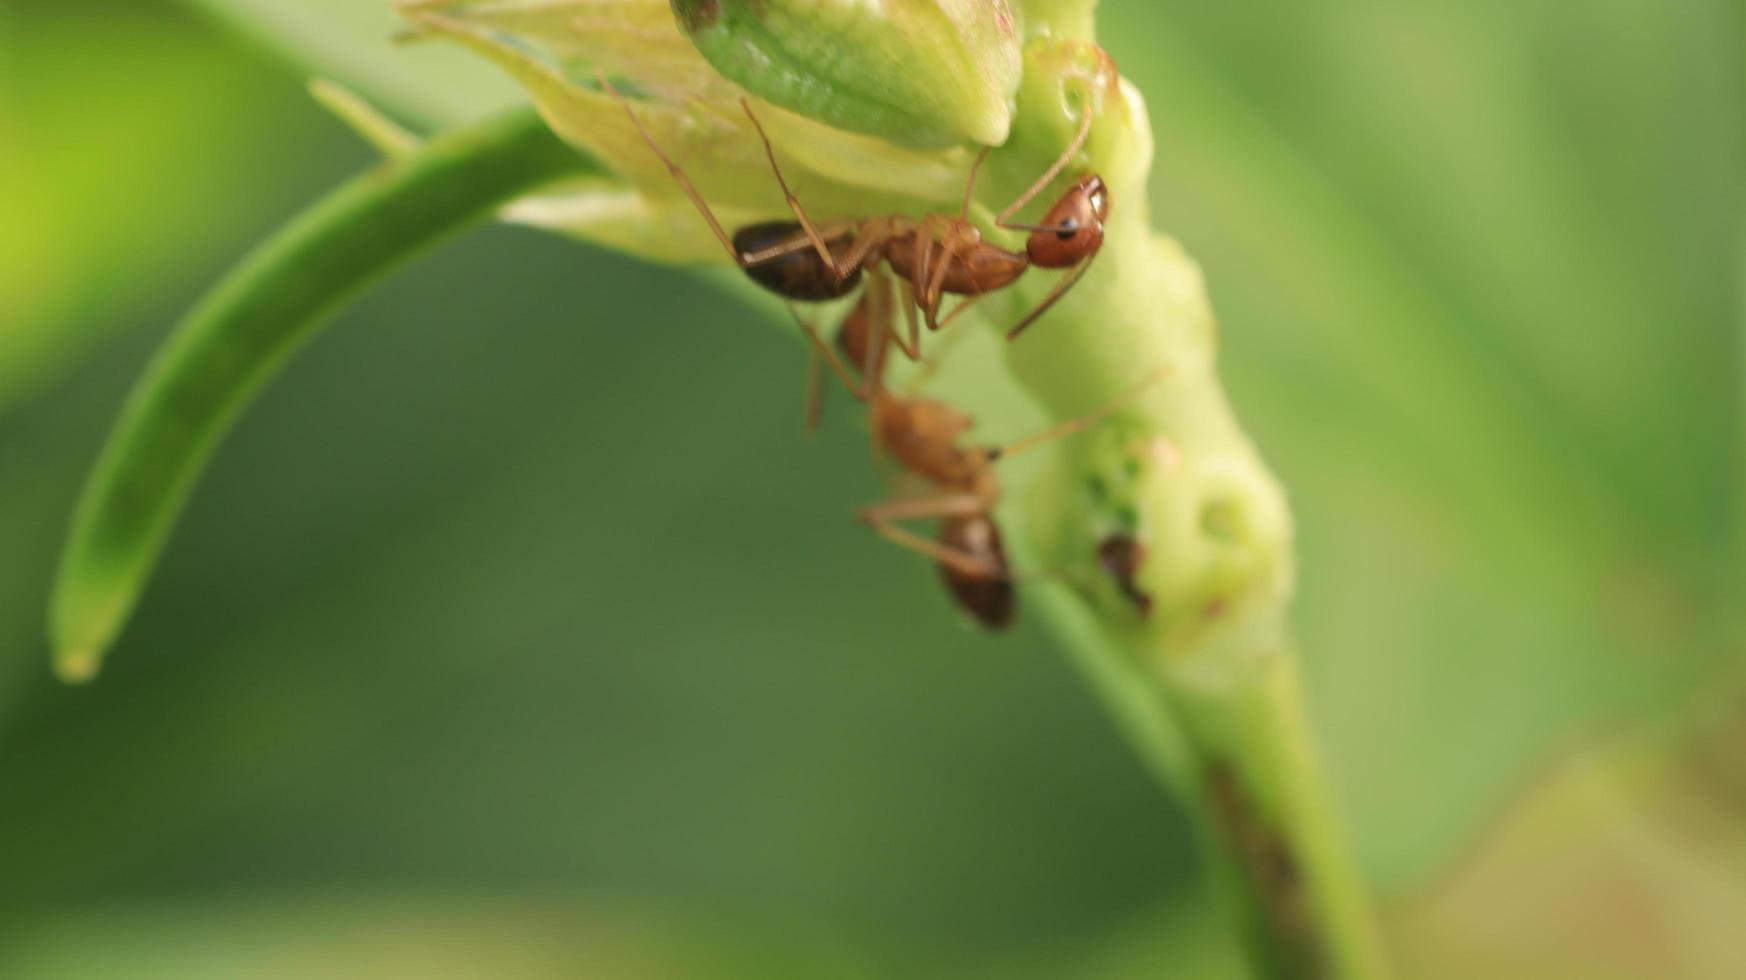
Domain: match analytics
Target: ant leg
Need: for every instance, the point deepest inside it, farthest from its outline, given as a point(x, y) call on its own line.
point(880, 518)
point(911, 347)
point(935, 292)
point(799, 243)
point(1005, 217)
point(963, 304)
point(942, 350)
point(824, 251)
point(1055, 294)
point(960, 561)
point(674, 169)
point(921, 260)
point(1081, 423)
point(919, 508)
point(970, 185)
point(821, 348)
point(873, 384)
point(911, 350)
point(879, 330)
point(920, 275)
point(869, 238)
point(814, 392)
point(922, 235)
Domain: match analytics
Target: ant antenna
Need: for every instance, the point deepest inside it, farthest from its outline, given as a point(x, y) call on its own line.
point(830, 356)
point(672, 168)
point(812, 234)
point(1055, 294)
point(930, 365)
point(970, 185)
point(1081, 423)
point(1055, 168)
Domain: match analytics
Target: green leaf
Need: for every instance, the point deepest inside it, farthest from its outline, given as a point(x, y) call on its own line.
point(243, 332)
point(353, 42)
point(693, 114)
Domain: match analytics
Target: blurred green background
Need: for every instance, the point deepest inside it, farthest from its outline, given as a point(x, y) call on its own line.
point(518, 632)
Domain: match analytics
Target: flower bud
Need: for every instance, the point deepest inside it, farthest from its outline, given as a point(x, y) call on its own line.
point(920, 73)
point(560, 49)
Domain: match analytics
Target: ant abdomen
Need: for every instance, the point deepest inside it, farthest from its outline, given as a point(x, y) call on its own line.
point(800, 274)
point(988, 597)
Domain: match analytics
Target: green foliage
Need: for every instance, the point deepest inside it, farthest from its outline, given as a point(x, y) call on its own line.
point(358, 42)
point(1478, 275)
point(236, 338)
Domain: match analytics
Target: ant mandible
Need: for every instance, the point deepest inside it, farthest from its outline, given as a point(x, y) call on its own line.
point(939, 255)
point(923, 437)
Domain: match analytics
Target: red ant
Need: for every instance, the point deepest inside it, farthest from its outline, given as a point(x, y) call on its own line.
point(938, 255)
point(923, 436)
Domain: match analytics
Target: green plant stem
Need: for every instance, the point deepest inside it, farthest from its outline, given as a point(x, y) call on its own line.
point(242, 333)
point(1239, 746)
point(1302, 901)
point(1209, 661)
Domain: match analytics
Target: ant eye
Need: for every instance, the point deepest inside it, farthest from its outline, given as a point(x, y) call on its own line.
point(1067, 230)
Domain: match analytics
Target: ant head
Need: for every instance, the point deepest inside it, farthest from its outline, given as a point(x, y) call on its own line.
point(1072, 231)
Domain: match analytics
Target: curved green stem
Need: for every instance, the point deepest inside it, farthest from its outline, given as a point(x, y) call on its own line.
point(1175, 478)
point(1302, 903)
point(244, 330)
point(1207, 658)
